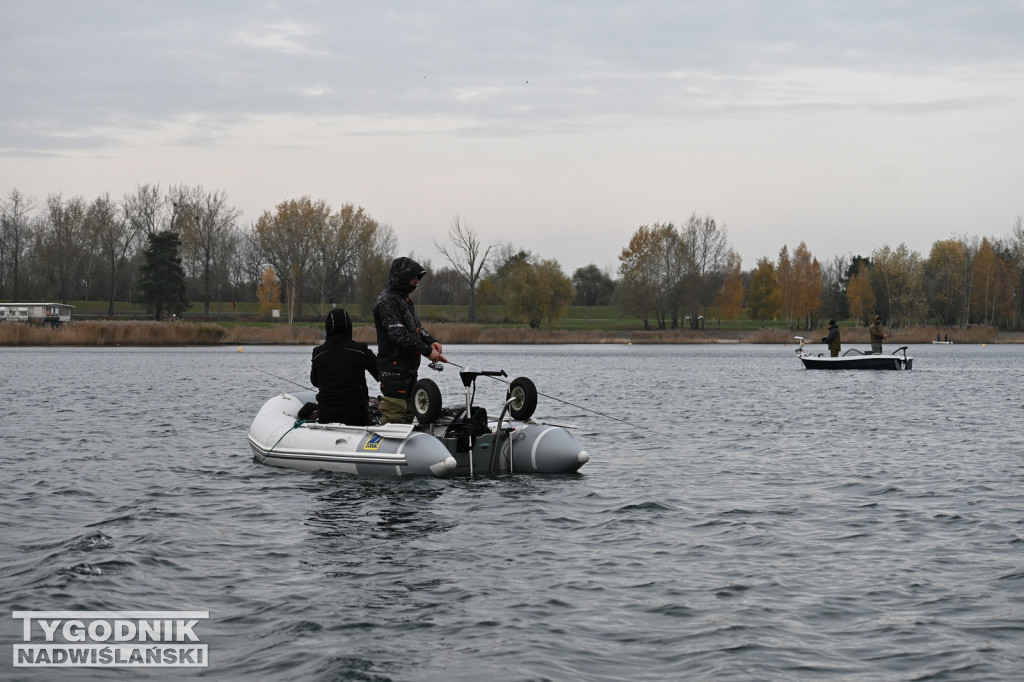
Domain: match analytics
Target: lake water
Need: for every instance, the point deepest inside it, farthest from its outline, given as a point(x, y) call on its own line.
point(741, 518)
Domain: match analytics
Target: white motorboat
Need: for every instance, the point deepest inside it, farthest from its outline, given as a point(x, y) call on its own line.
point(854, 359)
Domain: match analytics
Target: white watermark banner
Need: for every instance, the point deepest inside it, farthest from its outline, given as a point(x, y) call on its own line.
point(110, 639)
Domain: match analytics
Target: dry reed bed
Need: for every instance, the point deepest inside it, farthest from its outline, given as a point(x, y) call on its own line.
point(112, 333)
point(298, 335)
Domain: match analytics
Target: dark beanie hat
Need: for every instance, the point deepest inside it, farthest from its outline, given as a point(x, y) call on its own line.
point(338, 322)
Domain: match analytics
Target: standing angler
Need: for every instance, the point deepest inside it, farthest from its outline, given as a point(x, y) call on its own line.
point(401, 340)
point(833, 339)
point(877, 335)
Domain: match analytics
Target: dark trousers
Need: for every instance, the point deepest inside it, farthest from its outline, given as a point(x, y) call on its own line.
point(352, 417)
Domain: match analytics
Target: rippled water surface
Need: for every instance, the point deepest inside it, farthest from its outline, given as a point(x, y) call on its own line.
point(741, 518)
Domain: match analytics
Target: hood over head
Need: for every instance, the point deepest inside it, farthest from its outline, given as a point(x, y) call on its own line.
point(339, 323)
point(403, 270)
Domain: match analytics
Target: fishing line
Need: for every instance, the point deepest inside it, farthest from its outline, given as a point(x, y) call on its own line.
point(294, 383)
point(579, 407)
point(227, 428)
point(235, 427)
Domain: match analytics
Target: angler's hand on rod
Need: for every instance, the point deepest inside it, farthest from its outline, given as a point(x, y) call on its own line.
point(435, 353)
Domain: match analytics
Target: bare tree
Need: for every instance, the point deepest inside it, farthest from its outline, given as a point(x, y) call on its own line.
point(114, 236)
point(207, 224)
point(145, 210)
point(466, 258)
point(246, 269)
point(834, 300)
point(377, 246)
point(289, 238)
point(709, 252)
point(1016, 242)
point(347, 231)
point(15, 231)
point(62, 240)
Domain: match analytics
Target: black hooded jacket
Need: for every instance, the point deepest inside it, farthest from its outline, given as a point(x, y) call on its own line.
point(339, 367)
point(401, 339)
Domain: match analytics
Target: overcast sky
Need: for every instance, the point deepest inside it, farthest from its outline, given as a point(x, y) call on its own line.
point(559, 127)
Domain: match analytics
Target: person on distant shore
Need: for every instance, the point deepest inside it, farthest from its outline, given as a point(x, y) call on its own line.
point(339, 371)
point(833, 339)
point(401, 340)
point(877, 336)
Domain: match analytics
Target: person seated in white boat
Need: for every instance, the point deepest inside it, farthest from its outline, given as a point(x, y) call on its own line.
point(833, 339)
point(339, 371)
point(877, 336)
point(401, 341)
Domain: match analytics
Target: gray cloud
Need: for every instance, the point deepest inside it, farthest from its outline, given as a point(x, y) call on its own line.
point(74, 68)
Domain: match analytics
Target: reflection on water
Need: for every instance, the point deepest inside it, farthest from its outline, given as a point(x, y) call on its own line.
point(357, 509)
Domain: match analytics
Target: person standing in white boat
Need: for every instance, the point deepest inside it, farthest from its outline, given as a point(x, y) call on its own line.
point(833, 339)
point(877, 335)
point(401, 341)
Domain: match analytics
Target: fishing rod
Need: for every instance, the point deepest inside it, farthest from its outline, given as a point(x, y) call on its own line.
point(293, 383)
point(437, 366)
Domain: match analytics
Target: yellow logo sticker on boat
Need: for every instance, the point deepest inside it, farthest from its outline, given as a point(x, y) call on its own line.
point(373, 443)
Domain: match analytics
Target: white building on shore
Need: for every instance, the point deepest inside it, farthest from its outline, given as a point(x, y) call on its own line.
point(54, 314)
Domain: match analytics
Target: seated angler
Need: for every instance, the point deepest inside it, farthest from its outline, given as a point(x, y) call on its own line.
point(339, 371)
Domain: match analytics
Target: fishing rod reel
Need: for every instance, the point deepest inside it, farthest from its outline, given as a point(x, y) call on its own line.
point(437, 366)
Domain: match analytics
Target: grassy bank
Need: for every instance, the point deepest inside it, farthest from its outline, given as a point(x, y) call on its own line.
point(150, 333)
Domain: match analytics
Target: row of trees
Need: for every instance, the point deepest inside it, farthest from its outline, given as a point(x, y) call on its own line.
point(69, 249)
point(962, 281)
point(674, 275)
point(166, 248)
point(667, 272)
point(305, 251)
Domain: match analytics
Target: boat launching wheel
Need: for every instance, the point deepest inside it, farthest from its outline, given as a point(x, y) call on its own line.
point(524, 398)
point(426, 401)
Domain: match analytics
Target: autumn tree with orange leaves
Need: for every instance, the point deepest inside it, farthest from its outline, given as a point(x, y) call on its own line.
point(268, 292)
point(800, 285)
point(859, 295)
point(991, 286)
point(729, 303)
point(764, 299)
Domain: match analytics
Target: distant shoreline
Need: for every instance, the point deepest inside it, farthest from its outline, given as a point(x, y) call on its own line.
point(151, 333)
